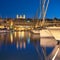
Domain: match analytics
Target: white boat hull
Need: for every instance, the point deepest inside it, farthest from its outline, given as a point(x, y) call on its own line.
point(49, 36)
point(46, 38)
point(55, 31)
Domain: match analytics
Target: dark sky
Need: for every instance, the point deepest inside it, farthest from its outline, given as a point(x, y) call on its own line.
point(10, 8)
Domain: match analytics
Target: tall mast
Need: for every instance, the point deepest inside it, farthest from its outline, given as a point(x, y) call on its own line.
point(44, 9)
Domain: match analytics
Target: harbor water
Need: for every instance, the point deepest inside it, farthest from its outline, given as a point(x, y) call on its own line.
point(22, 45)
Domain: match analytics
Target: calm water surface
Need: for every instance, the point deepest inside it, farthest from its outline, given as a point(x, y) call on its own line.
point(21, 46)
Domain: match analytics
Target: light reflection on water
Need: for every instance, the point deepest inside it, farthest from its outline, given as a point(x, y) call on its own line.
point(20, 46)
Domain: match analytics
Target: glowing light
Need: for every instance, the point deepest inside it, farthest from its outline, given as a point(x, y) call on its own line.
point(20, 44)
point(11, 37)
point(22, 33)
point(14, 28)
point(11, 23)
point(24, 45)
point(28, 40)
point(1, 26)
point(19, 28)
point(29, 34)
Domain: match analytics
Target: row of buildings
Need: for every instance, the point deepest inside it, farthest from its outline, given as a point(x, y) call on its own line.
point(16, 24)
point(26, 23)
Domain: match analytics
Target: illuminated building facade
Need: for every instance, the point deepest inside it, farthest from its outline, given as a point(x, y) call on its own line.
point(25, 23)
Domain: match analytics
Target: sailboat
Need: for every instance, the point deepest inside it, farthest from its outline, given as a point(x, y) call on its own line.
point(50, 31)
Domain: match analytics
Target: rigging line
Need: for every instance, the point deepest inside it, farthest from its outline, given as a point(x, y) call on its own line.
point(39, 53)
point(50, 57)
point(46, 9)
point(55, 54)
point(40, 9)
point(44, 52)
point(44, 12)
point(44, 3)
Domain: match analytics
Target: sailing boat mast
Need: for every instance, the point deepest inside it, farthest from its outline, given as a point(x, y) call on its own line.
point(44, 10)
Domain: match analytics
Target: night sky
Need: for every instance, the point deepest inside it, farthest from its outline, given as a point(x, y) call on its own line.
point(10, 8)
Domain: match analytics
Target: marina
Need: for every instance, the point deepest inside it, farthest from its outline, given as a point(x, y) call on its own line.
point(26, 38)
